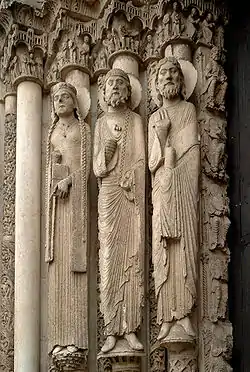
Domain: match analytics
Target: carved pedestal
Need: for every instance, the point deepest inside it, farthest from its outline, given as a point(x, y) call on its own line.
point(64, 362)
point(121, 359)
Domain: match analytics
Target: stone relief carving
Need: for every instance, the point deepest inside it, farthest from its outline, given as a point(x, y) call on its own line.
point(70, 42)
point(216, 82)
point(8, 247)
point(119, 165)
point(174, 164)
point(68, 165)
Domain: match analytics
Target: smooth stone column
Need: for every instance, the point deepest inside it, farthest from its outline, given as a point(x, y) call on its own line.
point(27, 245)
point(80, 80)
point(127, 63)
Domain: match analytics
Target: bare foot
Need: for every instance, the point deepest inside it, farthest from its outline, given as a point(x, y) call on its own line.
point(57, 349)
point(165, 328)
point(133, 341)
point(186, 324)
point(109, 344)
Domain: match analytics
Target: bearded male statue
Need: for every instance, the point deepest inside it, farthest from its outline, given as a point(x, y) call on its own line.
point(68, 165)
point(119, 165)
point(174, 165)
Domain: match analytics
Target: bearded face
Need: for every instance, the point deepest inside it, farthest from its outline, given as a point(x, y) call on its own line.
point(116, 91)
point(169, 81)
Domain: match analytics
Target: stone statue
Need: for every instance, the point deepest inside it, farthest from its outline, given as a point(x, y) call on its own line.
point(174, 164)
point(207, 29)
point(216, 82)
point(119, 164)
point(192, 23)
point(177, 21)
point(68, 164)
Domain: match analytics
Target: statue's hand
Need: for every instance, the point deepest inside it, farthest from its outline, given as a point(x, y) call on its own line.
point(162, 128)
point(62, 188)
point(110, 148)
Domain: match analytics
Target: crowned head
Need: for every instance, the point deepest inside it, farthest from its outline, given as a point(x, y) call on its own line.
point(64, 99)
point(117, 88)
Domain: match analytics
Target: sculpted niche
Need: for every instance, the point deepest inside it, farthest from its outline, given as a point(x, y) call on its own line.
point(174, 165)
point(119, 165)
point(68, 163)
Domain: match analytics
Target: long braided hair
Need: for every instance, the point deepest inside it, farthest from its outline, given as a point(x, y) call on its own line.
point(85, 163)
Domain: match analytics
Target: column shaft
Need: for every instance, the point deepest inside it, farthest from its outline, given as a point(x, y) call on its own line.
point(27, 245)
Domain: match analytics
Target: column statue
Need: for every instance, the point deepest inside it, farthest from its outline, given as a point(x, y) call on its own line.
point(174, 165)
point(119, 165)
point(68, 164)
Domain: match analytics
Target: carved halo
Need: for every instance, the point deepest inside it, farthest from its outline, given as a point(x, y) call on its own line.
point(84, 101)
point(190, 80)
point(136, 94)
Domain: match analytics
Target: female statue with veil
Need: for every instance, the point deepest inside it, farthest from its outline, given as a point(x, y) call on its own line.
point(68, 162)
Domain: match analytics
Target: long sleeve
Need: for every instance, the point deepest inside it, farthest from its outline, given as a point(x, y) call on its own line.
point(154, 148)
point(99, 163)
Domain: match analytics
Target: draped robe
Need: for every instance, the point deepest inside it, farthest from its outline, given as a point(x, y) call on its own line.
point(66, 244)
point(121, 222)
point(175, 211)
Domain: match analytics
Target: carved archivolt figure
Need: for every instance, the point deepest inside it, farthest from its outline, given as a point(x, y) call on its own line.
point(192, 23)
point(174, 164)
point(177, 21)
point(119, 164)
point(207, 29)
point(68, 163)
point(216, 82)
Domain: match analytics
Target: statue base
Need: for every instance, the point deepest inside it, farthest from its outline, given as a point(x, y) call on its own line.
point(65, 361)
point(121, 359)
point(182, 352)
point(176, 336)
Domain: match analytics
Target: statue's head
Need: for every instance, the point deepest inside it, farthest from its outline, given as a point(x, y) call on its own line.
point(169, 79)
point(117, 88)
point(64, 100)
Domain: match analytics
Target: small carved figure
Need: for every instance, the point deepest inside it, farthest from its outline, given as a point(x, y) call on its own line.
point(174, 165)
point(219, 295)
point(216, 85)
point(119, 164)
point(219, 222)
point(73, 49)
point(149, 50)
point(177, 21)
point(68, 158)
point(39, 67)
point(207, 29)
point(221, 349)
point(109, 42)
point(167, 26)
point(220, 35)
point(13, 69)
point(85, 50)
point(192, 23)
point(15, 30)
point(214, 142)
point(160, 34)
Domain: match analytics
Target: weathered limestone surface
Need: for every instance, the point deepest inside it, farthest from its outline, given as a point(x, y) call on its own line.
point(152, 76)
